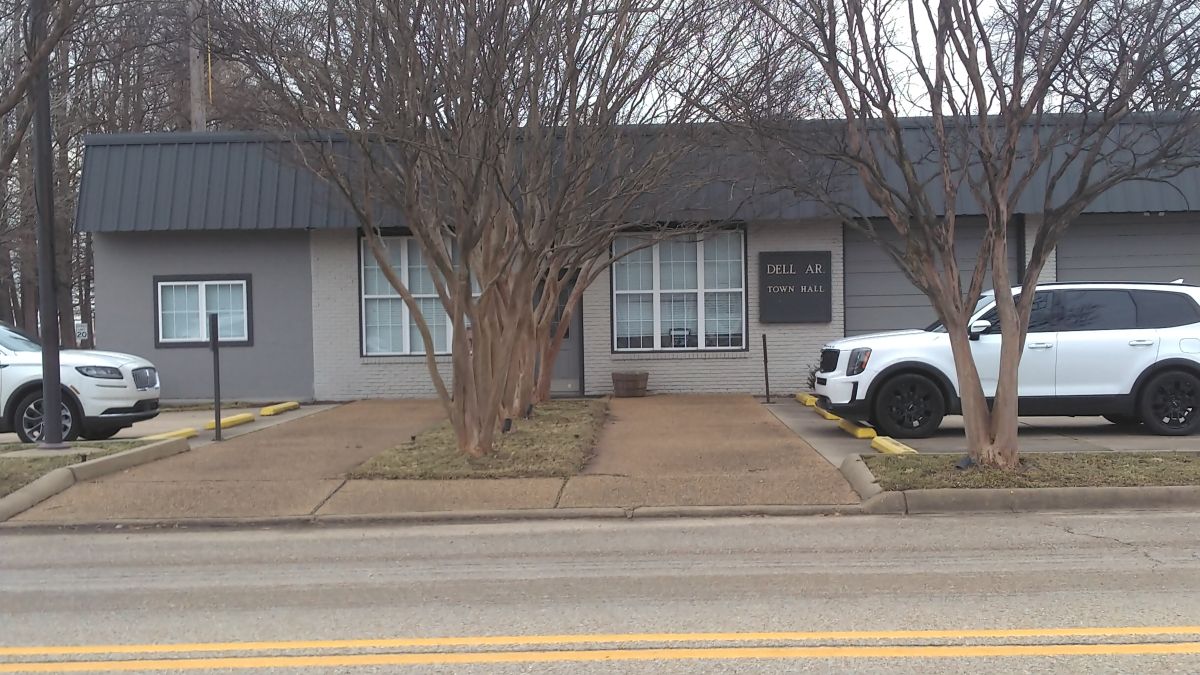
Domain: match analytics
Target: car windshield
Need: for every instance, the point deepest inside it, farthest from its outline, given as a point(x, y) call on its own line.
point(937, 327)
point(15, 341)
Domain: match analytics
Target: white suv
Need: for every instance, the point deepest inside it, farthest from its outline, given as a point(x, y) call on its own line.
point(103, 392)
point(1127, 351)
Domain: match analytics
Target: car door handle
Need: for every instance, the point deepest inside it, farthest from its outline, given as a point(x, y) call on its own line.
point(1141, 343)
point(1039, 345)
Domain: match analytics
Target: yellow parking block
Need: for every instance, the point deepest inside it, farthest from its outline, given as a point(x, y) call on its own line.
point(279, 408)
point(186, 432)
point(825, 413)
point(890, 446)
point(806, 399)
point(856, 430)
point(232, 421)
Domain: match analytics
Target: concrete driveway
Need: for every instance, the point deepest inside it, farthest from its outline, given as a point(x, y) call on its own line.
point(1064, 434)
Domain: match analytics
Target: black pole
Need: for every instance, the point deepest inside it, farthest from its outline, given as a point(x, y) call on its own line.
point(766, 373)
point(216, 350)
point(43, 187)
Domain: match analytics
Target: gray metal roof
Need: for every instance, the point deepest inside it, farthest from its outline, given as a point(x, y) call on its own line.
point(201, 181)
point(244, 181)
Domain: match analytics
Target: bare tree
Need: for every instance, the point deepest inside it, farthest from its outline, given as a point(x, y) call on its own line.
point(1027, 107)
point(508, 138)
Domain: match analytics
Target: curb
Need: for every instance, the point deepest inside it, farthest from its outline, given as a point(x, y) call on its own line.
point(450, 517)
point(856, 473)
point(64, 477)
point(1012, 500)
point(36, 492)
point(806, 399)
point(1017, 500)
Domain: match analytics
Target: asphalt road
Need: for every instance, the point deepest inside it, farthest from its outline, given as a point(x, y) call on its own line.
point(1072, 593)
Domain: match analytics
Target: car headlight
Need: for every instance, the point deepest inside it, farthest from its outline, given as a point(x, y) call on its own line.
point(102, 372)
point(858, 361)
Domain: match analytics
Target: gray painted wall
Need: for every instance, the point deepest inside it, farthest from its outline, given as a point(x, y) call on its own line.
point(279, 364)
point(1131, 247)
point(878, 295)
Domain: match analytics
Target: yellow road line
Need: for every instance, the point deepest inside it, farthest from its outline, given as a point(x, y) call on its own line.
point(715, 653)
point(601, 639)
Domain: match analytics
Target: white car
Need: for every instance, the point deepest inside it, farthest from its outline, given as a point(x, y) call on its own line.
point(1127, 351)
point(103, 392)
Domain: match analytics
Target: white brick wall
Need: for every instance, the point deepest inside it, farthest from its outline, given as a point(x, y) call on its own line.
point(340, 373)
point(792, 347)
point(1050, 271)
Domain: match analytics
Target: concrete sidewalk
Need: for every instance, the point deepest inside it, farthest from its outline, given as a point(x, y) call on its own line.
point(661, 451)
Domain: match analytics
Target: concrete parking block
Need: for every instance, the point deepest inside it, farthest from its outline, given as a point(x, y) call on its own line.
point(890, 446)
point(231, 421)
point(365, 497)
point(856, 430)
point(806, 399)
point(186, 432)
point(826, 414)
point(279, 408)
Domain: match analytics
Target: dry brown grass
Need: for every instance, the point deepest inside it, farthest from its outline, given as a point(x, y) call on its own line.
point(1092, 469)
point(17, 472)
point(556, 442)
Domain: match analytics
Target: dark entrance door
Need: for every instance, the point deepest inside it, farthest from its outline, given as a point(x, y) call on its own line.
point(567, 376)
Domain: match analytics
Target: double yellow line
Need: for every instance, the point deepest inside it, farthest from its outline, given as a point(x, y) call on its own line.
point(514, 649)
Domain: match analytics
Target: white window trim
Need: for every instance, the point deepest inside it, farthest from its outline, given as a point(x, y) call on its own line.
point(657, 291)
point(201, 287)
point(406, 314)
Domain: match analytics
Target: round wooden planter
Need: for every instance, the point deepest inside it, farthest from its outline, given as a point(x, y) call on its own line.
point(627, 385)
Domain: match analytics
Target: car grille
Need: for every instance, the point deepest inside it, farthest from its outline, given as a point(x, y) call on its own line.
point(829, 360)
point(145, 378)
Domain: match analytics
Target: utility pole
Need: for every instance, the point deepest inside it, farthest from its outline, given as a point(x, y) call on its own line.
point(195, 69)
point(43, 188)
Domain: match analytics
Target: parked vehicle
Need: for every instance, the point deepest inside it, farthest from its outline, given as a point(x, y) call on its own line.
point(1127, 351)
point(103, 392)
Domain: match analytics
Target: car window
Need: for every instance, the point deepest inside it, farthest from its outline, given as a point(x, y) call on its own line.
point(1164, 309)
point(1096, 309)
point(1041, 319)
point(15, 341)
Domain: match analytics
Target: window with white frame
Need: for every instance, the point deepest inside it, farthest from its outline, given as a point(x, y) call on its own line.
point(184, 306)
point(387, 325)
point(679, 294)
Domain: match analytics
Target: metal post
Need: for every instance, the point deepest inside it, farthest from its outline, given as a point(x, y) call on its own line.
point(216, 351)
point(43, 187)
point(766, 373)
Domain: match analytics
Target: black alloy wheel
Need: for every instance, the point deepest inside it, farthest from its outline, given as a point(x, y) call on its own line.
point(1169, 404)
point(909, 406)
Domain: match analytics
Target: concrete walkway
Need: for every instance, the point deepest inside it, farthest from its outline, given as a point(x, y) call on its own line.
point(703, 450)
point(286, 470)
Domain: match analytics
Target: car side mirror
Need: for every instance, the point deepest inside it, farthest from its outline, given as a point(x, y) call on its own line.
point(978, 328)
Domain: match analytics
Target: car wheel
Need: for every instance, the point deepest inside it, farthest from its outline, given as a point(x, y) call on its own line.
point(909, 406)
point(99, 433)
point(28, 419)
point(1169, 404)
point(1123, 420)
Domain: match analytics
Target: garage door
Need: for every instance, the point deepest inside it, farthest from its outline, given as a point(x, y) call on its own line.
point(1133, 248)
point(878, 295)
